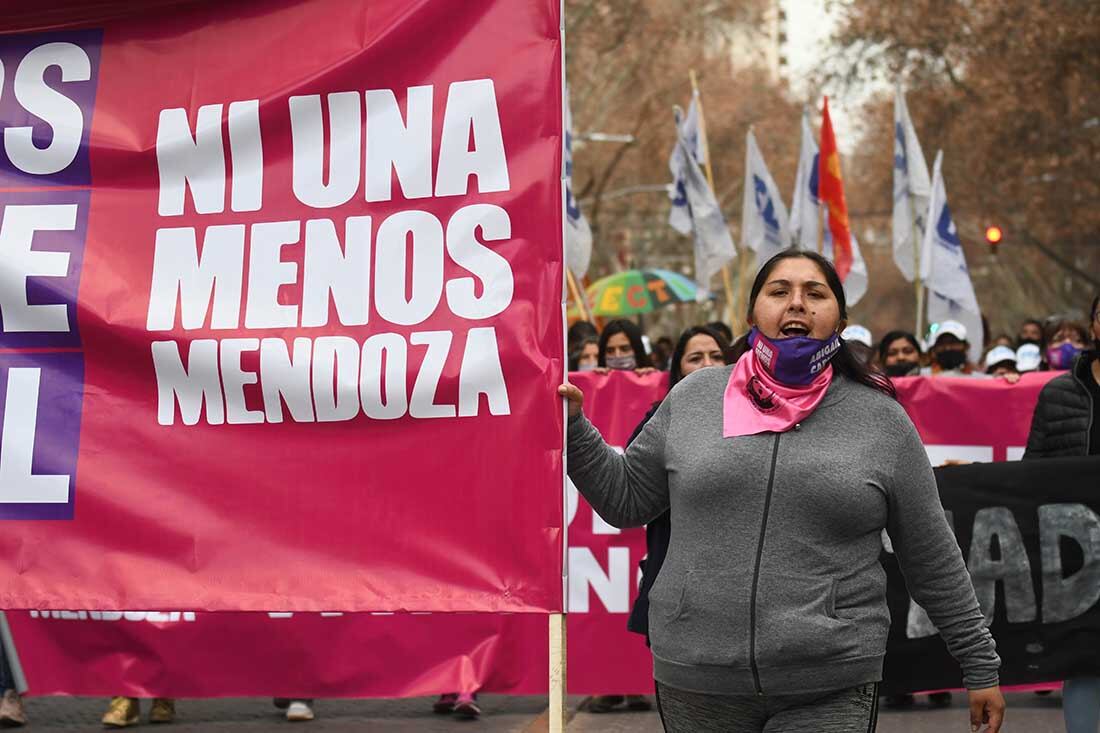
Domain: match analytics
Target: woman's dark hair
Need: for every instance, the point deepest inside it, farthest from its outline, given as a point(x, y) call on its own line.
point(577, 350)
point(675, 372)
point(893, 336)
point(844, 361)
point(725, 332)
point(633, 334)
point(580, 331)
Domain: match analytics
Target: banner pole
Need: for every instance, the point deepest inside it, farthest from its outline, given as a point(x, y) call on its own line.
point(575, 291)
point(556, 704)
point(557, 673)
point(918, 242)
point(726, 284)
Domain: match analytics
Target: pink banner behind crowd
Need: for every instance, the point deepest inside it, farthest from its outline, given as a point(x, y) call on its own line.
point(365, 655)
point(280, 321)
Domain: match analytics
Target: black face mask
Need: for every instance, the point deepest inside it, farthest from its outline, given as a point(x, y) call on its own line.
point(1030, 341)
point(901, 368)
point(950, 359)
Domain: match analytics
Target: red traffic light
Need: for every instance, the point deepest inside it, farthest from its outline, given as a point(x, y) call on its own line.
point(993, 235)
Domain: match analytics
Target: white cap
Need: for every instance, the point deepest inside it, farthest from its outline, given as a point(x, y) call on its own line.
point(858, 333)
point(954, 328)
point(999, 354)
point(1028, 358)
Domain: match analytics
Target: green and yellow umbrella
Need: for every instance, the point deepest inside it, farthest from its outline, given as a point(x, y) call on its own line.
point(631, 292)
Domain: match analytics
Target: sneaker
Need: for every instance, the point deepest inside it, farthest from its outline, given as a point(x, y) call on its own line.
point(163, 710)
point(638, 703)
point(445, 705)
point(122, 712)
point(466, 706)
point(299, 710)
point(11, 710)
point(600, 703)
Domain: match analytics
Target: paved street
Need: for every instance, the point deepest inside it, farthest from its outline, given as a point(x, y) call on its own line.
point(1027, 714)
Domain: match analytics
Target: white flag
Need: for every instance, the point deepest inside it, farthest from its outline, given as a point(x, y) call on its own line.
point(911, 188)
point(578, 235)
point(695, 209)
point(689, 129)
point(764, 221)
point(805, 205)
point(694, 133)
point(943, 268)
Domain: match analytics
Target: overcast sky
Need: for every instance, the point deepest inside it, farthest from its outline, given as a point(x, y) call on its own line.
point(809, 25)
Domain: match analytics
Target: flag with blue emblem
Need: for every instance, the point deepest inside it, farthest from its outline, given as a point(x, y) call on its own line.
point(695, 209)
point(764, 220)
point(943, 267)
point(805, 205)
point(911, 189)
point(578, 235)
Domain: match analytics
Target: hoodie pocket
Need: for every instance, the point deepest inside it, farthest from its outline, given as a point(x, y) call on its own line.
point(797, 623)
point(701, 617)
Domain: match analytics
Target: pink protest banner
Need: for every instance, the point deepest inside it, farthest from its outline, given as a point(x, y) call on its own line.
point(280, 325)
point(364, 655)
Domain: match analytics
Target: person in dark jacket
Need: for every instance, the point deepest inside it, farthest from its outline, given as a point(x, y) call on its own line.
point(699, 347)
point(1065, 424)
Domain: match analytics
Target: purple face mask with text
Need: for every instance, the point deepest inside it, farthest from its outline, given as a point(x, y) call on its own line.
point(795, 361)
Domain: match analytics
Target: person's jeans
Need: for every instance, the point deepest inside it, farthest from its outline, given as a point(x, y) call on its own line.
point(1081, 704)
point(7, 682)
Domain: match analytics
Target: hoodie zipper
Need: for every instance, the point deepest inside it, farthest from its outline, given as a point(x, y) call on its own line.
point(756, 571)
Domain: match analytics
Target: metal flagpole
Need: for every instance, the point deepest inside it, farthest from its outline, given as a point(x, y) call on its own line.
point(918, 243)
point(726, 282)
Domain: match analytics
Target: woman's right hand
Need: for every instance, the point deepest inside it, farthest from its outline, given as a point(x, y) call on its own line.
point(574, 396)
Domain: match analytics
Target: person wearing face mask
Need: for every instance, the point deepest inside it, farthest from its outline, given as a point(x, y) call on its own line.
point(1065, 341)
point(949, 351)
point(585, 355)
point(899, 354)
point(1064, 424)
point(618, 345)
point(781, 471)
point(1031, 332)
point(698, 347)
point(621, 347)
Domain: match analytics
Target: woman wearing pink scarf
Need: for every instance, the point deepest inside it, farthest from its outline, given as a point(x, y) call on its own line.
point(780, 473)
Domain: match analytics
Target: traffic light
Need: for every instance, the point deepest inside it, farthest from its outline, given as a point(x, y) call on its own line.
point(993, 237)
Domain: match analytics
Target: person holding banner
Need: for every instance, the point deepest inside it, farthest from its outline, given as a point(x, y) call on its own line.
point(699, 347)
point(899, 354)
point(781, 471)
point(1064, 424)
point(621, 347)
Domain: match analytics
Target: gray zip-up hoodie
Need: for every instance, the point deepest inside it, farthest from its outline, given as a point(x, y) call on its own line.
point(772, 583)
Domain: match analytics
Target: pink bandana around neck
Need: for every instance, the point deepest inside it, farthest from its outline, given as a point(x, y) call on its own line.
point(756, 403)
